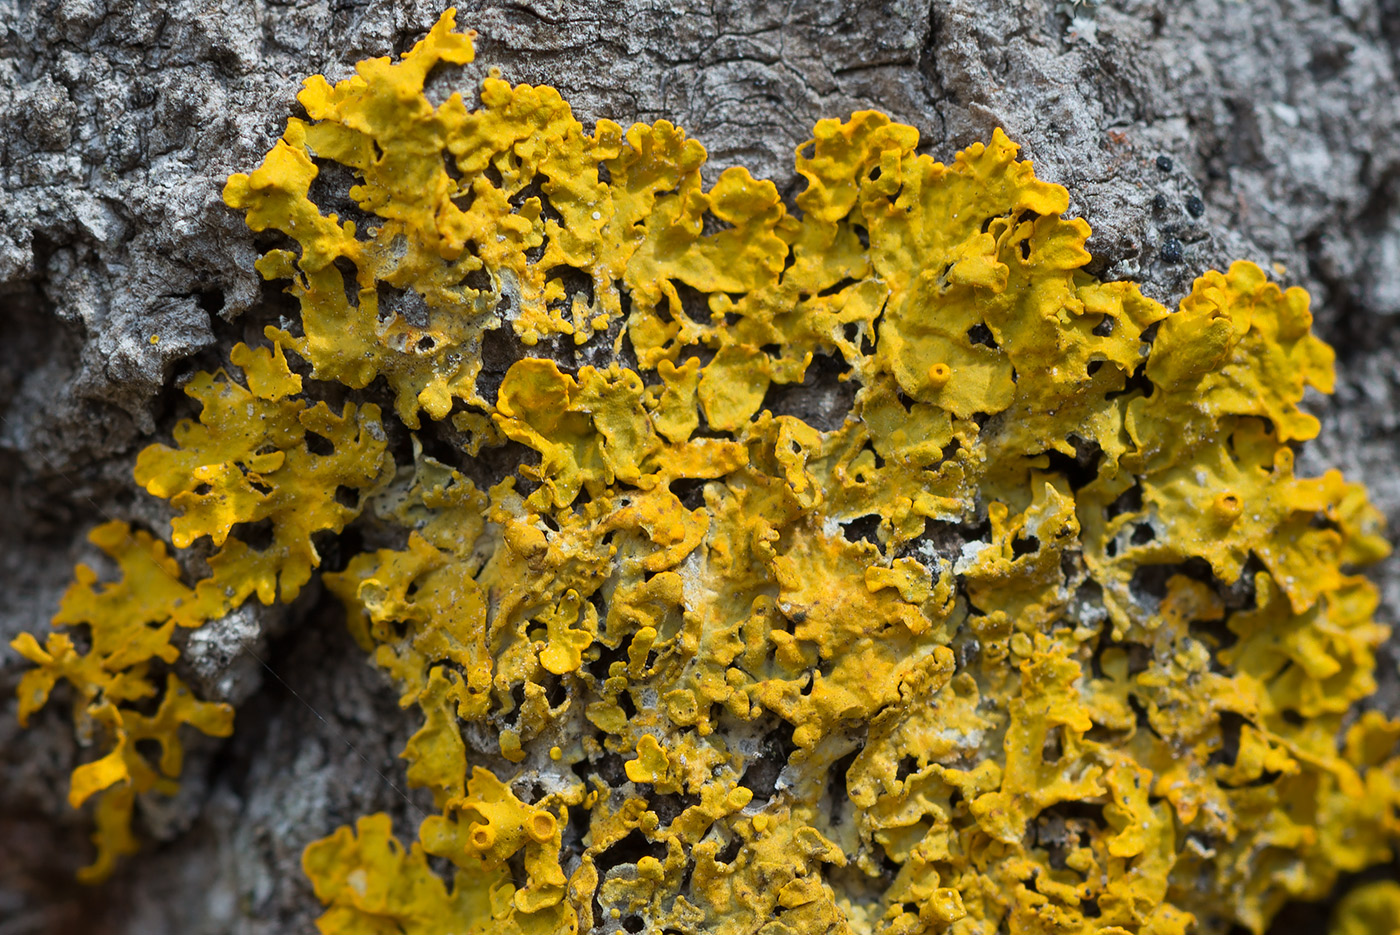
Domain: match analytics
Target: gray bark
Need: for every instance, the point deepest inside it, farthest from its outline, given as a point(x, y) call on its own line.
point(1188, 134)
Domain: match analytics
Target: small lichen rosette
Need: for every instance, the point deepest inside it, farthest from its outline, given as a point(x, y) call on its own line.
point(869, 565)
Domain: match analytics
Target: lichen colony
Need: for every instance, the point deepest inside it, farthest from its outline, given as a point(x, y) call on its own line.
point(1029, 626)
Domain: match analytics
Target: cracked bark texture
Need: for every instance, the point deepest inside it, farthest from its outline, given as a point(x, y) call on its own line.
point(1188, 134)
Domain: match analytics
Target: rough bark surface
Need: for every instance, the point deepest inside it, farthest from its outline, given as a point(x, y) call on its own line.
point(1188, 134)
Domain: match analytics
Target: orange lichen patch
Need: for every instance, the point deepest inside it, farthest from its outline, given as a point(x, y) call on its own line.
point(138, 615)
point(482, 830)
point(1041, 633)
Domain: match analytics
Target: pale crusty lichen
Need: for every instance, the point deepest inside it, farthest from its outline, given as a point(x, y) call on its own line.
point(1045, 636)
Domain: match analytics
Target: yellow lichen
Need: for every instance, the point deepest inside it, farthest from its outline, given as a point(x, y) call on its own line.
point(1372, 909)
point(1043, 635)
point(129, 624)
point(245, 461)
